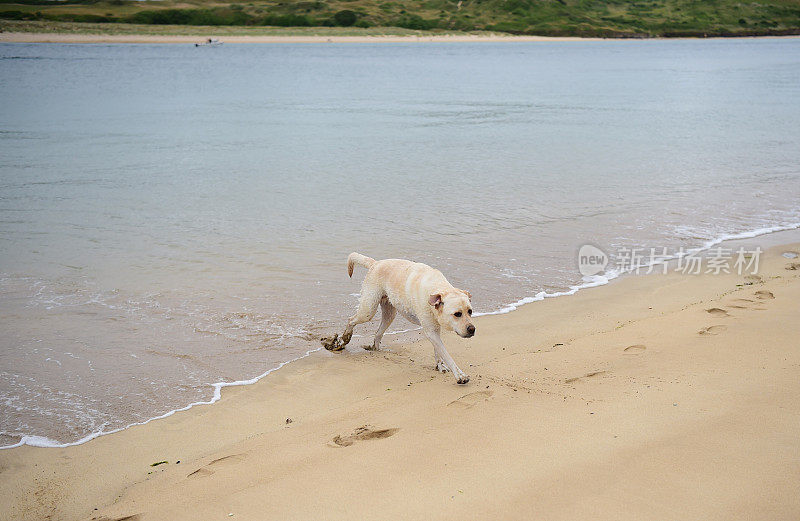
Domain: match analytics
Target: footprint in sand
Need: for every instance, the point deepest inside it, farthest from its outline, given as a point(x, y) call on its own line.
point(634, 349)
point(764, 295)
point(717, 312)
point(201, 472)
point(362, 433)
point(752, 279)
point(712, 330)
point(471, 399)
point(207, 470)
point(587, 375)
point(226, 459)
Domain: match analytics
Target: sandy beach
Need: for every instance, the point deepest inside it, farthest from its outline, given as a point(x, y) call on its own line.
point(23, 37)
point(145, 38)
point(654, 397)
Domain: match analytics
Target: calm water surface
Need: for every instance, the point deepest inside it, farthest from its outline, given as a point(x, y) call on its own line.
point(172, 217)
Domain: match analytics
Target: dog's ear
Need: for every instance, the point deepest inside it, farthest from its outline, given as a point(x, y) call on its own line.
point(469, 295)
point(435, 300)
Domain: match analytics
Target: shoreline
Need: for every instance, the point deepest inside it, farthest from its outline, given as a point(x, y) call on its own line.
point(618, 403)
point(45, 442)
point(25, 37)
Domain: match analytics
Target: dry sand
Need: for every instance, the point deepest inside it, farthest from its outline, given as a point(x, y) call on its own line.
point(636, 400)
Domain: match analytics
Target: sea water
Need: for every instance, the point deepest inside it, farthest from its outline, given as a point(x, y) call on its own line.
point(174, 219)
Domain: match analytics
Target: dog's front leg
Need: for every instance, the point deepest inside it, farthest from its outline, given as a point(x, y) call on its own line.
point(443, 356)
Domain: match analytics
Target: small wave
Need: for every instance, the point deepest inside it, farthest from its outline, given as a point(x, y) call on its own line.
point(589, 282)
point(748, 235)
point(600, 280)
point(45, 442)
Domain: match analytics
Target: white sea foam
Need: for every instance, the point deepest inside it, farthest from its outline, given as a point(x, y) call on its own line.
point(749, 234)
point(600, 280)
point(588, 282)
point(43, 441)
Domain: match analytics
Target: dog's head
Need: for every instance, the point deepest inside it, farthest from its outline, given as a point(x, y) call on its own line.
point(454, 311)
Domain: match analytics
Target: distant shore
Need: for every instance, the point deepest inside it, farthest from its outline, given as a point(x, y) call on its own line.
point(74, 32)
point(24, 37)
point(153, 38)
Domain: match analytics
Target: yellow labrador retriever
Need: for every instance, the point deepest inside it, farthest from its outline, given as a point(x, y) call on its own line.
point(421, 294)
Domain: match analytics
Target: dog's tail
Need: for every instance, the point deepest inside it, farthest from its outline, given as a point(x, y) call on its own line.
point(356, 258)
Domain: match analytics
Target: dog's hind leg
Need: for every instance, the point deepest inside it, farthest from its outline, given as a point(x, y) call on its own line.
point(367, 306)
point(388, 312)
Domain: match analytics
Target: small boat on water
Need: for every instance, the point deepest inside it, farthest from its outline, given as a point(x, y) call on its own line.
point(210, 42)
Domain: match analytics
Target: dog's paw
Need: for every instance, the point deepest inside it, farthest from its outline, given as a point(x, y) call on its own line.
point(441, 367)
point(332, 343)
point(462, 379)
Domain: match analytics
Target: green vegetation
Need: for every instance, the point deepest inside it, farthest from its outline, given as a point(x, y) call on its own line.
point(125, 29)
point(605, 18)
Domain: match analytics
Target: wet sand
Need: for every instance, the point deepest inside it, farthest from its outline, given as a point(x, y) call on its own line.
point(654, 397)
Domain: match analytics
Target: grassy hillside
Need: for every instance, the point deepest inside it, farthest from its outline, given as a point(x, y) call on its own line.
point(204, 31)
point(611, 18)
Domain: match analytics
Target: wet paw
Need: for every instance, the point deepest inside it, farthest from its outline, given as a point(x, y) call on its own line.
point(332, 343)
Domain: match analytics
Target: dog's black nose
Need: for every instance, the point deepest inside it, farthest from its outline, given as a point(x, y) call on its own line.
point(470, 330)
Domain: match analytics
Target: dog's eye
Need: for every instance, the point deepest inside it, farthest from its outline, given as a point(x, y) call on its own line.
point(469, 311)
point(457, 314)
